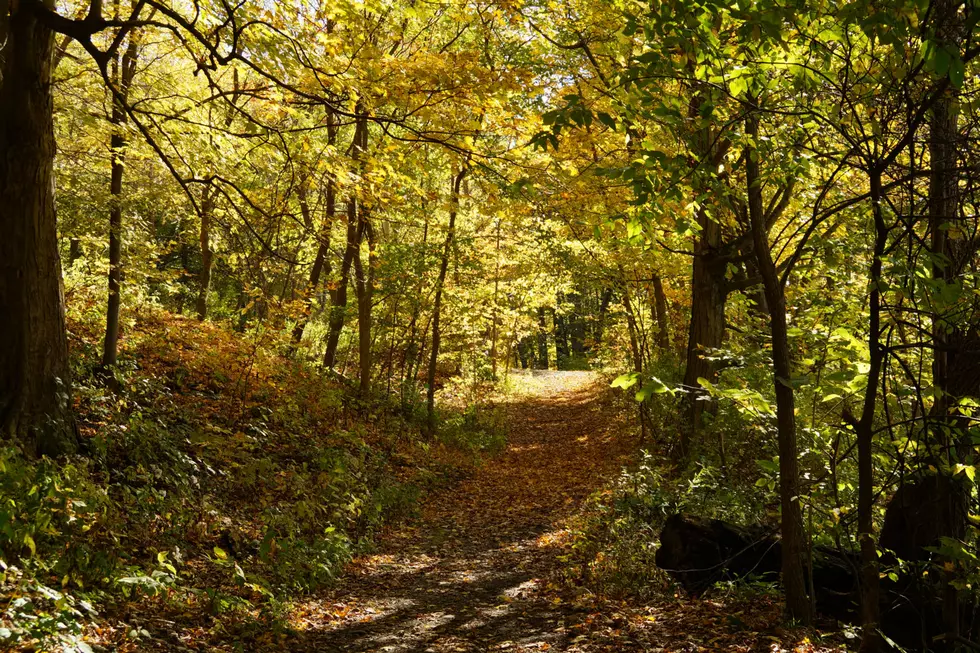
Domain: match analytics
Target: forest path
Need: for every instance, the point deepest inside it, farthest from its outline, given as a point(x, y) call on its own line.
point(471, 574)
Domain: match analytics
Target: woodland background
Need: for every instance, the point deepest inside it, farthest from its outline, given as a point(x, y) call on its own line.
point(267, 267)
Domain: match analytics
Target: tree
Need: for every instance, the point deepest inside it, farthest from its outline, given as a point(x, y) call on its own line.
point(35, 384)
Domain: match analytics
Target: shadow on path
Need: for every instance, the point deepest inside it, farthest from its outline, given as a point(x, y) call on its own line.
point(469, 576)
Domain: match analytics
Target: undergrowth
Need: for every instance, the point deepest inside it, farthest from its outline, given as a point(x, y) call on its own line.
point(220, 478)
point(613, 540)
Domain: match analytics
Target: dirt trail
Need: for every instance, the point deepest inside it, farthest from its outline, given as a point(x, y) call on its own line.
point(470, 576)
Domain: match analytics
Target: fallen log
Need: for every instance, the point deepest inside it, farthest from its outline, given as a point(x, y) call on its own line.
point(699, 552)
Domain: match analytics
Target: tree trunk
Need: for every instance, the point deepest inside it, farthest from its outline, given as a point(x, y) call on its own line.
point(35, 388)
point(525, 352)
point(204, 277)
point(709, 289)
point(364, 275)
point(943, 208)
point(364, 288)
point(208, 204)
point(660, 307)
point(430, 401)
point(74, 250)
point(707, 327)
point(576, 326)
point(637, 352)
point(600, 324)
point(122, 77)
point(562, 348)
point(542, 361)
point(323, 247)
point(870, 592)
point(798, 605)
point(496, 309)
point(339, 308)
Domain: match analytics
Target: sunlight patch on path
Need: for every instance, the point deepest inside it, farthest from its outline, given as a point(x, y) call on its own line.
point(473, 574)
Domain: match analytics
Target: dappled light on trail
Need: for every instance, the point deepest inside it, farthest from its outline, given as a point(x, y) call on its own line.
point(478, 571)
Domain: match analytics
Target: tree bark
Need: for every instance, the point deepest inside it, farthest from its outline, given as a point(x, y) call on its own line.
point(576, 326)
point(74, 250)
point(339, 308)
point(430, 401)
point(798, 605)
point(600, 324)
point(323, 247)
point(562, 348)
point(707, 326)
point(542, 360)
point(204, 276)
point(496, 309)
point(870, 592)
point(364, 288)
point(943, 210)
point(364, 274)
point(637, 351)
point(709, 289)
point(123, 69)
point(525, 352)
point(35, 387)
point(208, 204)
point(660, 308)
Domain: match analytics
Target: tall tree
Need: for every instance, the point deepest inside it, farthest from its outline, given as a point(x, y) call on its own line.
point(447, 249)
point(35, 384)
point(123, 71)
point(798, 603)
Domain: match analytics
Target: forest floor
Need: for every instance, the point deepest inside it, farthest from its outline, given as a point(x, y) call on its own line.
point(479, 570)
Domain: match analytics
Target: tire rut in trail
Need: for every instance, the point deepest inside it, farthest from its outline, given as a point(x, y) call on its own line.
point(471, 574)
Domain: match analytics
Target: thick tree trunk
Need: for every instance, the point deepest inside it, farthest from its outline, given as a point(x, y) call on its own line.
point(943, 209)
point(707, 328)
point(430, 390)
point(525, 352)
point(709, 288)
point(35, 388)
point(798, 604)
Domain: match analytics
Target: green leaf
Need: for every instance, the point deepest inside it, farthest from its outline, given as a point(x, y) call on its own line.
point(220, 553)
point(957, 71)
point(652, 387)
point(625, 380)
point(738, 86)
point(940, 61)
point(29, 543)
